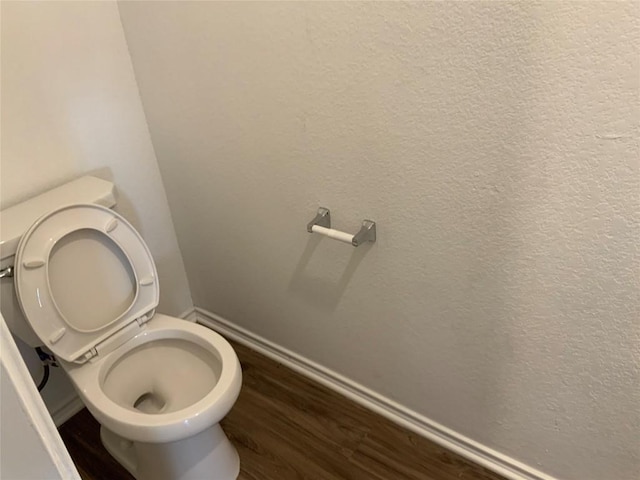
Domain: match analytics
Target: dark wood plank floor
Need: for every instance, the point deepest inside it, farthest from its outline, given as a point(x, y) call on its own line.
point(286, 426)
point(81, 435)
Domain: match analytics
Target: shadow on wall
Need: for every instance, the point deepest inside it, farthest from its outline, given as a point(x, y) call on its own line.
point(322, 293)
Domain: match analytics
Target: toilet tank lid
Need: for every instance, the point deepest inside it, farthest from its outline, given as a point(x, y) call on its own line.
point(16, 220)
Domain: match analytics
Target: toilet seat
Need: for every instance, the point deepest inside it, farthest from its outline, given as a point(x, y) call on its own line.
point(84, 279)
point(134, 424)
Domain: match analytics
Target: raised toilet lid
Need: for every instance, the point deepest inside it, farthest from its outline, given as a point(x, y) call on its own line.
point(83, 273)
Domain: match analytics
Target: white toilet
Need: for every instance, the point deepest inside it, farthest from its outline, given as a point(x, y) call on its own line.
point(88, 287)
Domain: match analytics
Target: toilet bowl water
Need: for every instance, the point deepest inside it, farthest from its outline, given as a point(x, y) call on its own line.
point(162, 376)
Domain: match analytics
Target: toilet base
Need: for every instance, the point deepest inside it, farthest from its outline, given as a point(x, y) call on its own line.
point(207, 455)
point(120, 448)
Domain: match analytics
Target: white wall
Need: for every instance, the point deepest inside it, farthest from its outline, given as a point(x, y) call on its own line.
point(70, 106)
point(496, 145)
point(30, 446)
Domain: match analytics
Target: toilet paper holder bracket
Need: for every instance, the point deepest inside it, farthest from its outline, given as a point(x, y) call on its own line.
point(322, 224)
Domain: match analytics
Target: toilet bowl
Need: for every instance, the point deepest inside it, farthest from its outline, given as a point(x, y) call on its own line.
point(160, 396)
point(158, 385)
point(172, 380)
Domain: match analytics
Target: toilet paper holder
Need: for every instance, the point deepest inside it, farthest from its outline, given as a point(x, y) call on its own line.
point(322, 224)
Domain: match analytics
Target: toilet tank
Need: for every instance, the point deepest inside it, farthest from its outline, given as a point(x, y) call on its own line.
point(16, 220)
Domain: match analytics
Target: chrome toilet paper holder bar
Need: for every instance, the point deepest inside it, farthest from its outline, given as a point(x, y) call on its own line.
point(322, 224)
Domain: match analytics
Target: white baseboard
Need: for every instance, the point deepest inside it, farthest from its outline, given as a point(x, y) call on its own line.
point(190, 315)
point(64, 412)
point(397, 413)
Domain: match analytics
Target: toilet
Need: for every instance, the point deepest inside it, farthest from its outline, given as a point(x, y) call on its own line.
point(87, 288)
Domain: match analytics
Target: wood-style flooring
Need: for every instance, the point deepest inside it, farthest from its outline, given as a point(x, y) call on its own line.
point(286, 426)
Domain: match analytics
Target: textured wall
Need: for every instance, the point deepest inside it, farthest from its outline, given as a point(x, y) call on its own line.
point(496, 145)
point(70, 106)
